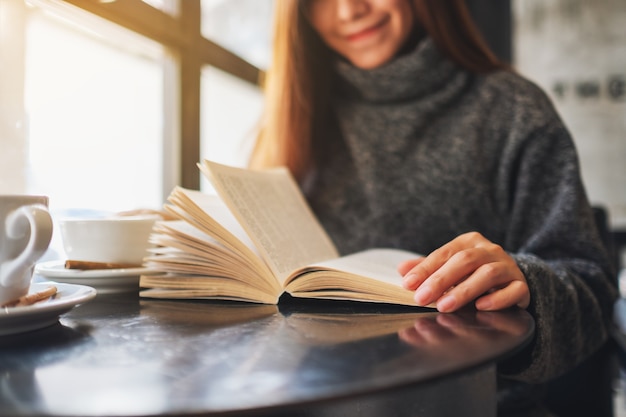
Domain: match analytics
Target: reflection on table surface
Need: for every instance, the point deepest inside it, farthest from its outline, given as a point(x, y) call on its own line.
point(122, 355)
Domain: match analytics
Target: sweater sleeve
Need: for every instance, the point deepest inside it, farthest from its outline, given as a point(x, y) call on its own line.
point(552, 235)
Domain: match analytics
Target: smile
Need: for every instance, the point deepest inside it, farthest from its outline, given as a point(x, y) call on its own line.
point(355, 37)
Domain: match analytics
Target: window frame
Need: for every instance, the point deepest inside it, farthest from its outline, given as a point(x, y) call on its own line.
point(180, 33)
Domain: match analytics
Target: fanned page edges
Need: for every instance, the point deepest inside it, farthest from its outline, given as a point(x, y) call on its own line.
point(188, 249)
point(181, 252)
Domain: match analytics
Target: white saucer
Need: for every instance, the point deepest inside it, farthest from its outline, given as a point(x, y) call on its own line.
point(104, 280)
point(44, 313)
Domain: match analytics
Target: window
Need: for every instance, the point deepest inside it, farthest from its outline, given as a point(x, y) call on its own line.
point(93, 109)
point(231, 107)
point(230, 112)
point(108, 105)
point(242, 26)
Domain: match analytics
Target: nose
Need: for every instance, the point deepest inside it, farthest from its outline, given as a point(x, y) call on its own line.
point(351, 9)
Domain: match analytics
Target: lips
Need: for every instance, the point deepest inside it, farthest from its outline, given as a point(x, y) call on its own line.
point(367, 32)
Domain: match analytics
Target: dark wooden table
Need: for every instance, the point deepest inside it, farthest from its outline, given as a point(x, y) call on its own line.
point(120, 355)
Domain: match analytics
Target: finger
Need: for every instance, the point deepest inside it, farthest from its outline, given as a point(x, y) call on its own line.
point(422, 270)
point(464, 318)
point(484, 279)
point(458, 268)
point(516, 293)
point(414, 277)
point(406, 266)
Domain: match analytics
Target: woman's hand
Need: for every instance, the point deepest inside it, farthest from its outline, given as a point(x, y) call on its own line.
point(465, 269)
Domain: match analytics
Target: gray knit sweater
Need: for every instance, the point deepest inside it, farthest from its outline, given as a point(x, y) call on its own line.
point(424, 151)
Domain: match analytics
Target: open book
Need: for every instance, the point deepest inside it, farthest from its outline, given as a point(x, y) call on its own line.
point(255, 240)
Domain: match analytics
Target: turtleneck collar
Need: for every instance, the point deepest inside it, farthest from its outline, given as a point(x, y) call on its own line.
point(412, 75)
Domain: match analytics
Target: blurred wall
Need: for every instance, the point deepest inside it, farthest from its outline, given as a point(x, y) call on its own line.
point(576, 50)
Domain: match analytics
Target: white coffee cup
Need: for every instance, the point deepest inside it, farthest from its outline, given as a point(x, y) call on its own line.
point(25, 233)
point(113, 240)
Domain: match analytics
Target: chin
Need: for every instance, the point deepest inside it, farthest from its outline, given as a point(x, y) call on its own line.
point(369, 65)
point(371, 62)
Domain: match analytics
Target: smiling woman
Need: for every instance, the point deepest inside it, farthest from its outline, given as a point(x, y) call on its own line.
point(429, 143)
point(369, 42)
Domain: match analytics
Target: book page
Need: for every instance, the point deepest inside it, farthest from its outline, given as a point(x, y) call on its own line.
point(370, 275)
point(274, 213)
point(379, 264)
point(217, 209)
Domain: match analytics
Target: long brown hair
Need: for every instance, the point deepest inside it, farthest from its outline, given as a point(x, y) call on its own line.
point(298, 82)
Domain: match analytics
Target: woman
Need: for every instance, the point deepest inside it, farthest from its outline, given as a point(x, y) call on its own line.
point(405, 131)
